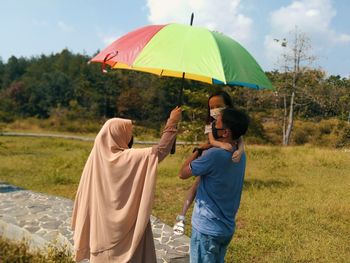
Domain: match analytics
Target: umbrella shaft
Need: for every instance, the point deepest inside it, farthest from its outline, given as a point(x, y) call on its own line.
point(180, 100)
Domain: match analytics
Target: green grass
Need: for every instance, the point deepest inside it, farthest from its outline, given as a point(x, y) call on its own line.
point(87, 128)
point(19, 252)
point(295, 205)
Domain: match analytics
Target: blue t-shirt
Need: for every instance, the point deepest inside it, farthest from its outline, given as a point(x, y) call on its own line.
point(219, 192)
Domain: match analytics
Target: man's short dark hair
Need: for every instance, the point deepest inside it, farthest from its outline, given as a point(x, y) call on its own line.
point(235, 120)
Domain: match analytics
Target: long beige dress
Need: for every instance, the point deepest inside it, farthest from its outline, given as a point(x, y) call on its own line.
point(111, 214)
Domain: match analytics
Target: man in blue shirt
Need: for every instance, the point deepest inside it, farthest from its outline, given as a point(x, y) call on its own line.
point(219, 192)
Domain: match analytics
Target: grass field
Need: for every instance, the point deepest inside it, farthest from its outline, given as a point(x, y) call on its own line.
point(295, 205)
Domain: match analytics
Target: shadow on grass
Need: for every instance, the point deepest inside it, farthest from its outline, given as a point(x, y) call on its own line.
point(262, 184)
point(7, 188)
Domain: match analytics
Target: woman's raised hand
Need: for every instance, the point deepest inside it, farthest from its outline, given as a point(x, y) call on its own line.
point(176, 114)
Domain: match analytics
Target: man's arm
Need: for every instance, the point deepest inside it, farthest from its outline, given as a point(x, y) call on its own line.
point(185, 171)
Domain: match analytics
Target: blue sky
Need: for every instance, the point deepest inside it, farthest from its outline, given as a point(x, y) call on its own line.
point(32, 27)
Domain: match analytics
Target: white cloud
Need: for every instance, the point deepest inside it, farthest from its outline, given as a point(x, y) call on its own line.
point(40, 23)
point(340, 38)
point(313, 17)
point(107, 40)
point(64, 27)
point(273, 49)
point(220, 15)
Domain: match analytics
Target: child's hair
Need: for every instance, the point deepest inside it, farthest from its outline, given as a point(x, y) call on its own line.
point(235, 120)
point(227, 100)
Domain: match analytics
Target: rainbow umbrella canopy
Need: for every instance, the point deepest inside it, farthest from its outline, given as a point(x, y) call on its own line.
point(185, 51)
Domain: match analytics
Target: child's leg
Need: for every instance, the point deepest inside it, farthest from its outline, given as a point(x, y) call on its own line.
point(191, 194)
point(179, 227)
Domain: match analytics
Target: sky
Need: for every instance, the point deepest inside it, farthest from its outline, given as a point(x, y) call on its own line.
point(34, 27)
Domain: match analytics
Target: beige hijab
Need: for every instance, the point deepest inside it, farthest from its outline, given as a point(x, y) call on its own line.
point(115, 194)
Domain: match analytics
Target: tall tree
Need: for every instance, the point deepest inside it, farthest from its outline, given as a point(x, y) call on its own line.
point(2, 69)
point(13, 70)
point(296, 60)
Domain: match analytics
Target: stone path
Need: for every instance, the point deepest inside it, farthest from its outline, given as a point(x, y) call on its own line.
point(44, 219)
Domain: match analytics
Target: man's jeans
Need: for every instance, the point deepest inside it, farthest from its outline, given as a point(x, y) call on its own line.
point(208, 249)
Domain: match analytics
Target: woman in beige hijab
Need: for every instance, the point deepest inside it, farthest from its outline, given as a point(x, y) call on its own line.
point(111, 215)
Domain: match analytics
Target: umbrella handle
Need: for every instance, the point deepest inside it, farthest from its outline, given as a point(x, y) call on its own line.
point(109, 56)
point(180, 103)
point(173, 148)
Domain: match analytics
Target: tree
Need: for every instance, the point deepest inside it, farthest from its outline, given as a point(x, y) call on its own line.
point(2, 69)
point(13, 70)
point(296, 61)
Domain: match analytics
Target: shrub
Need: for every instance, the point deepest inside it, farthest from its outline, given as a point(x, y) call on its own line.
point(329, 132)
point(192, 131)
point(256, 131)
point(143, 133)
point(344, 138)
point(6, 117)
point(300, 137)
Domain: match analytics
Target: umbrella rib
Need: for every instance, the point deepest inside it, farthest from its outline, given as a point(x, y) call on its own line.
point(222, 66)
point(183, 46)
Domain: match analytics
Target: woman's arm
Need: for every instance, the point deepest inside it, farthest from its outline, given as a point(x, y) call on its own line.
point(163, 148)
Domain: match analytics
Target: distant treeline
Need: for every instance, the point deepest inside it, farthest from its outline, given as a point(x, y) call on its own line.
point(65, 85)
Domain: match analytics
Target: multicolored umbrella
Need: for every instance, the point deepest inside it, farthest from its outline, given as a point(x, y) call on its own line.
point(185, 51)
